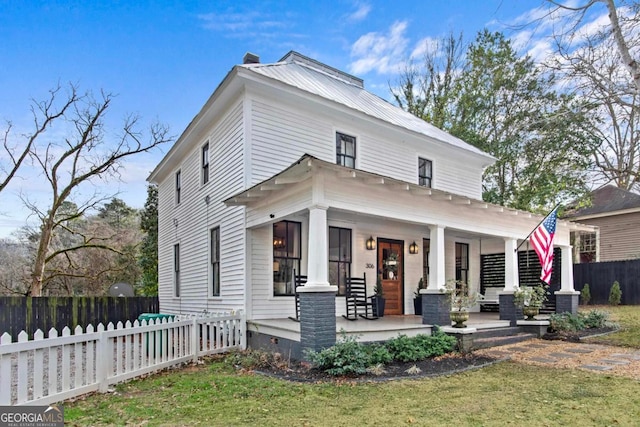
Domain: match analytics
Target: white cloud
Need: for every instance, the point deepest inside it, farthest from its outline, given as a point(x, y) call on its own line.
point(361, 12)
point(383, 53)
point(425, 46)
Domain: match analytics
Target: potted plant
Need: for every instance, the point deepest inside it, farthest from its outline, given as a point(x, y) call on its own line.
point(530, 299)
point(462, 299)
point(378, 299)
point(417, 299)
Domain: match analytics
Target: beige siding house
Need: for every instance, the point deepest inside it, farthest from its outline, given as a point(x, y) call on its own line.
point(616, 214)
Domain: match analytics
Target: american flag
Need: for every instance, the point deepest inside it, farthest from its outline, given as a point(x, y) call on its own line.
point(542, 242)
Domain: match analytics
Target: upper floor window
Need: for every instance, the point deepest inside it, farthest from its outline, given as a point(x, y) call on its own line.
point(178, 186)
point(205, 163)
point(339, 257)
point(345, 150)
point(214, 258)
point(425, 172)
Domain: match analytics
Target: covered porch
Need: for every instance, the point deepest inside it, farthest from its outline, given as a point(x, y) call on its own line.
point(316, 197)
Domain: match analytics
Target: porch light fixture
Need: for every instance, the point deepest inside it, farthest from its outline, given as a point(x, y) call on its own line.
point(413, 248)
point(371, 243)
point(278, 242)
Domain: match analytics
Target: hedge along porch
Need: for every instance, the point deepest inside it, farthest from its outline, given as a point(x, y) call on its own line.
point(312, 199)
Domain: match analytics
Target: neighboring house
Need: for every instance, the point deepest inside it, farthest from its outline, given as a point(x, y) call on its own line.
point(294, 167)
point(616, 214)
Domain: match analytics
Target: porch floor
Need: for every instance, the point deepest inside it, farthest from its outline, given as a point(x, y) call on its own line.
point(373, 330)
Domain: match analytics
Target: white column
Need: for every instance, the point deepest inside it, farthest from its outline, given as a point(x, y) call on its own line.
point(566, 275)
point(318, 252)
point(511, 279)
point(437, 277)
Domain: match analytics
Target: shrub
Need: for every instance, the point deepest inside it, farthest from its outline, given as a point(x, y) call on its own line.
point(347, 357)
point(585, 294)
point(615, 295)
point(596, 319)
point(566, 322)
point(421, 346)
point(378, 354)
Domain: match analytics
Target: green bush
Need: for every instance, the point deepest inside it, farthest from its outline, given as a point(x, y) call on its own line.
point(596, 319)
point(421, 346)
point(566, 322)
point(585, 294)
point(346, 357)
point(615, 295)
point(378, 354)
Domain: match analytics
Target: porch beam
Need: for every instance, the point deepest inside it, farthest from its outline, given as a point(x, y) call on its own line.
point(292, 179)
point(347, 174)
point(375, 181)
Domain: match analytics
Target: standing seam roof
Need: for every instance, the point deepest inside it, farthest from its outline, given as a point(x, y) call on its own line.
point(335, 89)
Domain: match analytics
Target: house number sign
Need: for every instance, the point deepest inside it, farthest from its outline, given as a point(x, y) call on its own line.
point(369, 265)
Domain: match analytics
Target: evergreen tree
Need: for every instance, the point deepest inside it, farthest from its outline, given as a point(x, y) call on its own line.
point(148, 258)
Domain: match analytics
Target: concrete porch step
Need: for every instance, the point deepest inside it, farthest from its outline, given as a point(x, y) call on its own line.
point(495, 341)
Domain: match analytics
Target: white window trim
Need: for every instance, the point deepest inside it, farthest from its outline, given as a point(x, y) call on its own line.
point(202, 164)
point(210, 265)
point(356, 162)
point(433, 169)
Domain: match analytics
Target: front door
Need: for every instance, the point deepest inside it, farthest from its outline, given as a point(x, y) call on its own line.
point(390, 267)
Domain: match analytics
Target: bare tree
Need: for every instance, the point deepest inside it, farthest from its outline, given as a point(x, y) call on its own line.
point(72, 163)
point(591, 60)
point(44, 114)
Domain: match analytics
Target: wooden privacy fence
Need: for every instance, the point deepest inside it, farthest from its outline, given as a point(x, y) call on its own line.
point(43, 370)
point(32, 313)
point(601, 275)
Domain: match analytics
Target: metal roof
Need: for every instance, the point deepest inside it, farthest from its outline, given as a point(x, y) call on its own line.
point(313, 77)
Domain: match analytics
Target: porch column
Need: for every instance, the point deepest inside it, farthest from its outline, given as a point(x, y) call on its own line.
point(567, 297)
point(508, 310)
point(435, 301)
point(317, 296)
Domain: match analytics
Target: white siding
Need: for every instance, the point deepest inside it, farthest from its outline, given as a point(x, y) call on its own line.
point(282, 133)
point(195, 218)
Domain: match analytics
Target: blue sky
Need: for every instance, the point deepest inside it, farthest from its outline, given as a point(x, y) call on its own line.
point(164, 59)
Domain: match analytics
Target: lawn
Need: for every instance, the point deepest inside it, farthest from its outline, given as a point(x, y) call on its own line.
point(214, 394)
point(628, 316)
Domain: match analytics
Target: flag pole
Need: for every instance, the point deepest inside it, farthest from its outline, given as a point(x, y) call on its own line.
point(526, 239)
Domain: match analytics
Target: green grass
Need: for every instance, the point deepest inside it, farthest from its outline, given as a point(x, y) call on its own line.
point(505, 394)
point(628, 316)
point(502, 394)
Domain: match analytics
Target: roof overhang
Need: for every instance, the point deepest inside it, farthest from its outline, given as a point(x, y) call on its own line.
point(305, 167)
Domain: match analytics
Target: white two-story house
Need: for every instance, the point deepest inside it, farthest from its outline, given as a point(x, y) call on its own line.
point(294, 168)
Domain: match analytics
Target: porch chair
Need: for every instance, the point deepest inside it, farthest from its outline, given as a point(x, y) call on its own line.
point(298, 280)
point(357, 300)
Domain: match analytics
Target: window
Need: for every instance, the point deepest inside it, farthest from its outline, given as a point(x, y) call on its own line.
point(286, 256)
point(587, 247)
point(339, 257)
point(214, 259)
point(178, 186)
point(462, 262)
point(426, 247)
point(345, 150)
point(176, 269)
point(205, 163)
point(425, 172)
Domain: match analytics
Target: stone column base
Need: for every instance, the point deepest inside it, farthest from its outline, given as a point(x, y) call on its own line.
point(567, 301)
point(317, 319)
point(508, 310)
point(436, 306)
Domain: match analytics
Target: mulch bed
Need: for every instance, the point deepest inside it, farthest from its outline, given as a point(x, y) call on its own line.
point(578, 335)
point(444, 365)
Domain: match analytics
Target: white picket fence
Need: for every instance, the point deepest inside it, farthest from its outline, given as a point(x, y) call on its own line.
point(49, 370)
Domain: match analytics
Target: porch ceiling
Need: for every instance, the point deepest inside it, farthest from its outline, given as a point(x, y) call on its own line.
point(305, 167)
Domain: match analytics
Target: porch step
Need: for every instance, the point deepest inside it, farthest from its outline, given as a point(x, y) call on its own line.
point(495, 341)
point(497, 332)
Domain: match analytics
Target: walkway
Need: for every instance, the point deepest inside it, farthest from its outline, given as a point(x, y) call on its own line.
point(611, 360)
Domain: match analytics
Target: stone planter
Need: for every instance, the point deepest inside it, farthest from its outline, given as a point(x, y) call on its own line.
point(417, 305)
point(530, 312)
point(459, 317)
point(378, 305)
